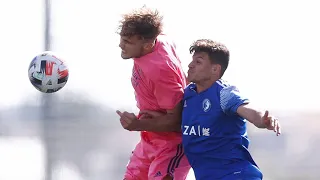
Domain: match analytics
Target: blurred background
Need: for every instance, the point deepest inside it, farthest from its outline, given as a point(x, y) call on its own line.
point(74, 134)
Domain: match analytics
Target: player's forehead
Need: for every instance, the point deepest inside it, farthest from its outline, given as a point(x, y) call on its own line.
point(200, 55)
point(132, 39)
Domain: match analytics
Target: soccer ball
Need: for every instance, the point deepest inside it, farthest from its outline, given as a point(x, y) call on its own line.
point(48, 73)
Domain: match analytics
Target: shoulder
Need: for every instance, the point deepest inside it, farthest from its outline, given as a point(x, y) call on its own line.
point(222, 84)
point(231, 99)
point(221, 89)
point(154, 65)
point(225, 86)
point(163, 67)
point(161, 71)
point(166, 47)
point(163, 61)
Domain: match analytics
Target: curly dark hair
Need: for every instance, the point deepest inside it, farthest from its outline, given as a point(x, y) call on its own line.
point(217, 52)
point(144, 22)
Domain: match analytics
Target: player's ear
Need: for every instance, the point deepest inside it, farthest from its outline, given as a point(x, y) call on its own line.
point(216, 68)
point(148, 45)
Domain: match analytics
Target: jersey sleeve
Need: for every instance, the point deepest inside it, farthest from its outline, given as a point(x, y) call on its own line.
point(168, 89)
point(231, 99)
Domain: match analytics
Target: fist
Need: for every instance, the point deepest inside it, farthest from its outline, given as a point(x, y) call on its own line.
point(128, 121)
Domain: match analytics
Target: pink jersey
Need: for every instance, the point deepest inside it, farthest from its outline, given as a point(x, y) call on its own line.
point(159, 81)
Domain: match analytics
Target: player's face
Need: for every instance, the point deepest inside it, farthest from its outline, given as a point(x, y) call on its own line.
point(132, 47)
point(201, 68)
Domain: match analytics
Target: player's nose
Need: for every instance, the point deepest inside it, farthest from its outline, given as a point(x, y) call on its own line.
point(121, 45)
point(191, 65)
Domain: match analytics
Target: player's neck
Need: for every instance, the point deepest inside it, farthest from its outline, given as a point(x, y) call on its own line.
point(147, 52)
point(150, 50)
point(204, 85)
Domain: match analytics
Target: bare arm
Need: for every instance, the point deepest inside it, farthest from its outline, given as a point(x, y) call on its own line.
point(252, 115)
point(232, 102)
point(157, 122)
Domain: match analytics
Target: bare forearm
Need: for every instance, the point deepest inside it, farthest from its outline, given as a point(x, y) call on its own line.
point(252, 115)
point(256, 118)
point(165, 123)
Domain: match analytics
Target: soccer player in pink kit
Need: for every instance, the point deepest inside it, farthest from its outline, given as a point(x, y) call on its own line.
point(158, 81)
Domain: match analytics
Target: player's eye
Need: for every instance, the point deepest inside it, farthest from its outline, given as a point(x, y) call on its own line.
point(127, 42)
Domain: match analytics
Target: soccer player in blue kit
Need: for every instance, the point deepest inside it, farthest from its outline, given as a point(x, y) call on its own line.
point(214, 118)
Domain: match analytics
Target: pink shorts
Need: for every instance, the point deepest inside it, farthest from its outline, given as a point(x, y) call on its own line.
point(155, 159)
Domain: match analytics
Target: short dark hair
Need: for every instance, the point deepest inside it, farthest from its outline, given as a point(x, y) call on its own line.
point(144, 22)
point(217, 52)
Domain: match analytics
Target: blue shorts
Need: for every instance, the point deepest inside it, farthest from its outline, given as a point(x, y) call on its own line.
point(250, 172)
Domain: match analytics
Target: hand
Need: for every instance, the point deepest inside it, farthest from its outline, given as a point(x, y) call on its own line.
point(147, 114)
point(271, 123)
point(129, 121)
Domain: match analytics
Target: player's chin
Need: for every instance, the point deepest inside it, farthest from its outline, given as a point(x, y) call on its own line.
point(190, 78)
point(125, 56)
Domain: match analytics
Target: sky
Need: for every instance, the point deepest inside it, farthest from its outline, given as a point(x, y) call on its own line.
point(273, 45)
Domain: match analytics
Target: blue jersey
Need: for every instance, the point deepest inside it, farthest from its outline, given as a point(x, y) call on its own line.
point(214, 136)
